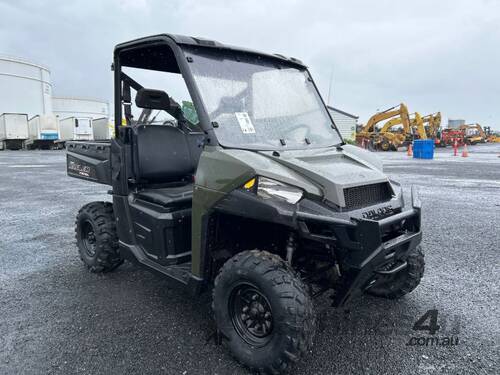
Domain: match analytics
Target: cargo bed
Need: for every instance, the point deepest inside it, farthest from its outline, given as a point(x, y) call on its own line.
point(89, 160)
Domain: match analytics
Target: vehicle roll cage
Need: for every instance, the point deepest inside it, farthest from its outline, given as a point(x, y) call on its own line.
point(164, 53)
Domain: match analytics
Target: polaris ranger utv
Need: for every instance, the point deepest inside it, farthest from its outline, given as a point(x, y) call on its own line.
point(245, 189)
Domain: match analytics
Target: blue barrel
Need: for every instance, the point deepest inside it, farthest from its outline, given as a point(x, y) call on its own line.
point(423, 149)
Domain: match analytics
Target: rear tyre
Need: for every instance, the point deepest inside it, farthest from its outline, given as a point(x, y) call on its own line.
point(96, 237)
point(403, 282)
point(263, 311)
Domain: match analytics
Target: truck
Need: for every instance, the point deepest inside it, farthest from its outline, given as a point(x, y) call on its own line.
point(452, 137)
point(13, 130)
point(254, 197)
point(43, 132)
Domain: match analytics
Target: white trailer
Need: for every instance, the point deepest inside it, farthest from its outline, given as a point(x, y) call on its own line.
point(13, 130)
point(101, 128)
point(44, 132)
point(75, 129)
point(83, 129)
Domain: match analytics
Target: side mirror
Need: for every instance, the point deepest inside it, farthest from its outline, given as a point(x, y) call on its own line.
point(152, 99)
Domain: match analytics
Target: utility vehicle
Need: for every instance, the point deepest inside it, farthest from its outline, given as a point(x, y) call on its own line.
point(245, 189)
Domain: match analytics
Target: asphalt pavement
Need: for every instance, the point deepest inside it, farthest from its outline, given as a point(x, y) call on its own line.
point(57, 318)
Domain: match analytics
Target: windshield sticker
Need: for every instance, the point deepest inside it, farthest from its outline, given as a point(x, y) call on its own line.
point(245, 122)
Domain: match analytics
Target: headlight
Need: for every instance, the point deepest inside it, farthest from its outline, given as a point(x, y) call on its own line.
point(267, 189)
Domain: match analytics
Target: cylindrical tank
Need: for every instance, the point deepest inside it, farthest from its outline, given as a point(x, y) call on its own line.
point(64, 107)
point(455, 124)
point(25, 87)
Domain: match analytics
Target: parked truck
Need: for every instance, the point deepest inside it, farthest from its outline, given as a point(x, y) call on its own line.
point(43, 132)
point(13, 130)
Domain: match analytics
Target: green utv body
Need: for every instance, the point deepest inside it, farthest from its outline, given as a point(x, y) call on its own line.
point(248, 190)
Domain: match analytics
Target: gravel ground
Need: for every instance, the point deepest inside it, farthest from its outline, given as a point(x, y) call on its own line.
point(55, 317)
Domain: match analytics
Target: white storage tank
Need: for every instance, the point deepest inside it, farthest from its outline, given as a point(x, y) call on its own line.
point(346, 123)
point(43, 131)
point(13, 130)
point(65, 107)
point(25, 87)
point(455, 123)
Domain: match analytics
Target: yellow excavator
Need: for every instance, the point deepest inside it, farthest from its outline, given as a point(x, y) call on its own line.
point(433, 122)
point(389, 138)
point(474, 133)
point(491, 136)
point(369, 128)
point(384, 141)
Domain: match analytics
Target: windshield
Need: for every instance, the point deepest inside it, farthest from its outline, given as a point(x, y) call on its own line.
point(260, 103)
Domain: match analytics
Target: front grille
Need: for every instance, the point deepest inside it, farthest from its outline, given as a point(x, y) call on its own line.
point(367, 195)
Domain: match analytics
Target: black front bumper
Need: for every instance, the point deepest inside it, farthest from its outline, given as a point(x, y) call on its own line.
point(368, 248)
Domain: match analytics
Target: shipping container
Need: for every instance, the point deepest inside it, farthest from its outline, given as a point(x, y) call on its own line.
point(13, 130)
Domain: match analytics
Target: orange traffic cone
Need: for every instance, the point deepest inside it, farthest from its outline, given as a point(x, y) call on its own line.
point(465, 153)
point(409, 152)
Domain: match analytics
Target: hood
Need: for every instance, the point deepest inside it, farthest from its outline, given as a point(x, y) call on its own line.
point(332, 169)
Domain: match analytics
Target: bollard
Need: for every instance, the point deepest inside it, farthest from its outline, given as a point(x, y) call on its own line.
point(465, 153)
point(409, 152)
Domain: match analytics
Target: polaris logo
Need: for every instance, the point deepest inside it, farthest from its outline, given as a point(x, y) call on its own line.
point(378, 213)
point(82, 170)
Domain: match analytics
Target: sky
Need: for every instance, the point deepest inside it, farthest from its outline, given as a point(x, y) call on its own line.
point(432, 55)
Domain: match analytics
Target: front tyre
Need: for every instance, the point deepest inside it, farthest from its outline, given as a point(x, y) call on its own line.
point(397, 285)
point(96, 237)
point(385, 146)
point(263, 310)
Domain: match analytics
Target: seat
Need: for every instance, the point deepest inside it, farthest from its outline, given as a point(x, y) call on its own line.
point(164, 154)
point(167, 197)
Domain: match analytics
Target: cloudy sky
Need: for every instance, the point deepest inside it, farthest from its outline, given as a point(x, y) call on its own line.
point(433, 55)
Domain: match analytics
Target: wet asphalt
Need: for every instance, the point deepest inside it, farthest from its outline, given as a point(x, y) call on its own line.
point(57, 318)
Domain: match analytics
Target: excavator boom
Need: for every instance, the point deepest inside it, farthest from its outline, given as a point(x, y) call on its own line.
point(370, 133)
point(381, 116)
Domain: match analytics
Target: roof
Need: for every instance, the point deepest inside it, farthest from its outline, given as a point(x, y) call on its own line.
point(22, 60)
point(202, 42)
point(342, 112)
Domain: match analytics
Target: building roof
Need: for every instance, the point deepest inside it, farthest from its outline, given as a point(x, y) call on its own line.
point(342, 112)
